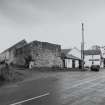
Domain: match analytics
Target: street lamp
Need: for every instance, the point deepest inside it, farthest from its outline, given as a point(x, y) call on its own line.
point(82, 47)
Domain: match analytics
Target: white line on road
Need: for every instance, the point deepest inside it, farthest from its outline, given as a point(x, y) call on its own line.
point(84, 82)
point(20, 102)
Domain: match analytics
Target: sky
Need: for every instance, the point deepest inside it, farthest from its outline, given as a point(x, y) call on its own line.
point(54, 21)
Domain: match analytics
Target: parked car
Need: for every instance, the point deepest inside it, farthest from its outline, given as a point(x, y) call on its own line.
point(95, 67)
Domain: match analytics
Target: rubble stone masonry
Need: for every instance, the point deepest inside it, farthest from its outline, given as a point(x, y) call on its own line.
point(9, 54)
point(43, 54)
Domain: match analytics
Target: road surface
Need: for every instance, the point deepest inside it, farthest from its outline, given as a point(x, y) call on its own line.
point(61, 88)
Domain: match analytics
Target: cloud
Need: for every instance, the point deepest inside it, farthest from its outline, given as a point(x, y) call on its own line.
point(19, 12)
point(52, 20)
point(36, 11)
point(32, 12)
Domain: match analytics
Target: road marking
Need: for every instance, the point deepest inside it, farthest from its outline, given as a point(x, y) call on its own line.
point(23, 101)
point(84, 82)
point(85, 98)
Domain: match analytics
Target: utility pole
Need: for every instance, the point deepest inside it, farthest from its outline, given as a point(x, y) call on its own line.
point(82, 47)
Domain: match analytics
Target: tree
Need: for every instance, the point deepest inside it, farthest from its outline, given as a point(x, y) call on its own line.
point(96, 47)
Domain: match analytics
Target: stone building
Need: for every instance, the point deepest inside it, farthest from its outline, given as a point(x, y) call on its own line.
point(9, 54)
point(93, 57)
point(42, 54)
point(71, 58)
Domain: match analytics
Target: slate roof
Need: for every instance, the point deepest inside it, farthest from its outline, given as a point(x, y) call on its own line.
point(92, 52)
point(70, 56)
point(65, 51)
point(17, 45)
point(65, 55)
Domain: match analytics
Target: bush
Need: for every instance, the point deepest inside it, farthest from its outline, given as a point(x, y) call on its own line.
point(7, 73)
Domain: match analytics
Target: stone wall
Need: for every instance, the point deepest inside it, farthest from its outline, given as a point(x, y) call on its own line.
point(42, 53)
point(9, 54)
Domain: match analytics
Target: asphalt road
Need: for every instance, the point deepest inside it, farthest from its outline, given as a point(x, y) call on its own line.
point(61, 88)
